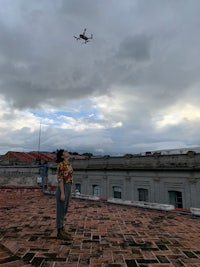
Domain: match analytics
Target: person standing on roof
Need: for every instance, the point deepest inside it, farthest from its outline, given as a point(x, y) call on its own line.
point(63, 191)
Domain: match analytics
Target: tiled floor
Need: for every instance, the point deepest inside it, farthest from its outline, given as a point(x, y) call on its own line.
point(103, 234)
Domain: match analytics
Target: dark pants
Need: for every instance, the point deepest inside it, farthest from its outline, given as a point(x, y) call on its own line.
point(62, 206)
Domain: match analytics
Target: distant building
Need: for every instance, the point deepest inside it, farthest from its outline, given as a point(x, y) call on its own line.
point(156, 178)
point(24, 158)
point(20, 158)
point(153, 177)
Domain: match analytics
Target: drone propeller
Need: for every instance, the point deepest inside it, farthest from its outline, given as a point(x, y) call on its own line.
point(84, 31)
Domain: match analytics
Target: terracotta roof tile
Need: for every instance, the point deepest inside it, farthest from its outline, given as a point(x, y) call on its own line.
point(103, 234)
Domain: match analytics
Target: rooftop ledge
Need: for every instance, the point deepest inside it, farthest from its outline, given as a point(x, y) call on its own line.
point(88, 197)
point(142, 204)
point(195, 211)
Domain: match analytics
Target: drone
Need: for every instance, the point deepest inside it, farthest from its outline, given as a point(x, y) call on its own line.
point(84, 37)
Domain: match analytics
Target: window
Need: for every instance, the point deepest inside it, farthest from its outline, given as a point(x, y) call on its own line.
point(175, 198)
point(78, 188)
point(143, 194)
point(96, 190)
point(117, 192)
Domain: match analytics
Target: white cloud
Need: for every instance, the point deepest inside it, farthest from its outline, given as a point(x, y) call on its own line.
point(178, 114)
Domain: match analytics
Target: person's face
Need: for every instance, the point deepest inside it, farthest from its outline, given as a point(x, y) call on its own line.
point(65, 155)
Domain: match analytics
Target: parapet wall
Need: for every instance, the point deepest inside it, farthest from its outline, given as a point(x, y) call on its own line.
point(21, 176)
point(28, 175)
point(155, 161)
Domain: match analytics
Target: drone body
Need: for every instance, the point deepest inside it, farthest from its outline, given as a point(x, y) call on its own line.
point(84, 37)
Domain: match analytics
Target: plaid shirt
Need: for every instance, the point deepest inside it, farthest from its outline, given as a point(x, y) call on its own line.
point(64, 172)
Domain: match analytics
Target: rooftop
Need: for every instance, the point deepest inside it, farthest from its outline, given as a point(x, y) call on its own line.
point(103, 234)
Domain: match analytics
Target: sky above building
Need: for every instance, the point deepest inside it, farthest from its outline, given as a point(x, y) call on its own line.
point(133, 88)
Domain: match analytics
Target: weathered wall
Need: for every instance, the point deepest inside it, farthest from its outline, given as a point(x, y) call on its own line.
point(158, 183)
point(150, 161)
point(21, 176)
point(155, 173)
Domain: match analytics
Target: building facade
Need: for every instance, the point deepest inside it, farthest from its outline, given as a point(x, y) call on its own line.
point(155, 178)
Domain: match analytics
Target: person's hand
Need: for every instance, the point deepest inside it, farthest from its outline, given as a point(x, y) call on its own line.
point(62, 197)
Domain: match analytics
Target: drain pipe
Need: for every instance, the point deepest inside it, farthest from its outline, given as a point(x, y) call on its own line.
point(44, 174)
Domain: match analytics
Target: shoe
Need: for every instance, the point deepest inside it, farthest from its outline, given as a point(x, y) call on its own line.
point(63, 235)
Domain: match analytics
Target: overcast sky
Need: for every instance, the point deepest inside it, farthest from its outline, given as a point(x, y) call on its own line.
point(133, 88)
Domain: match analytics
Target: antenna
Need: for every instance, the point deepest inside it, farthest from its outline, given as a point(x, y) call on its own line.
point(38, 157)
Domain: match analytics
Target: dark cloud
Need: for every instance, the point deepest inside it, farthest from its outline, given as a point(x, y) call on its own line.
point(136, 48)
point(140, 68)
point(14, 43)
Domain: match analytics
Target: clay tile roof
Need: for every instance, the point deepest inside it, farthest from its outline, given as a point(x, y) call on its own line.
point(103, 234)
point(29, 156)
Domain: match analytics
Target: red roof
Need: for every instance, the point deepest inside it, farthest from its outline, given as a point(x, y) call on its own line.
point(29, 156)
